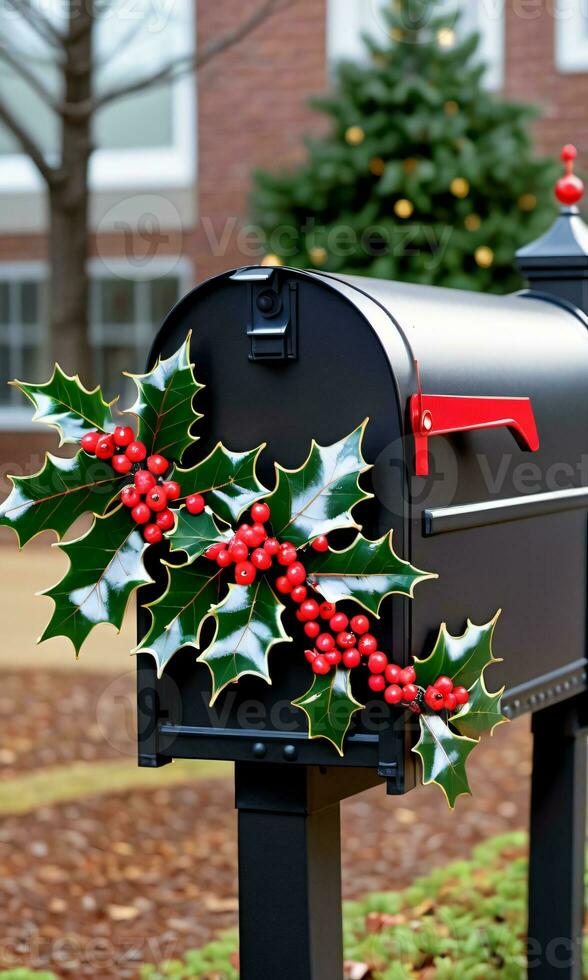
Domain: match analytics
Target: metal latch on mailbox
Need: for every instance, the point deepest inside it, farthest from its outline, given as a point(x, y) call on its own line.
point(438, 415)
point(272, 321)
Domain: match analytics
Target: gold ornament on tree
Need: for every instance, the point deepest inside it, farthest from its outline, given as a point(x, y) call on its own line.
point(484, 256)
point(446, 37)
point(527, 202)
point(403, 208)
point(472, 222)
point(451, 108)
point(270, 259)
point(460, 187)
point(355, 135)
point(410, 165)
point(318, 255)
point(377, 166)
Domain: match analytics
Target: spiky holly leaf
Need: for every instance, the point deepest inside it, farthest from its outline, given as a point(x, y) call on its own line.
point(106, 566)
point(194, 533)
point(463, 658)
point(58, 494)
point(318, 497)
point(164, 404)
point(329, 706)
point(228, 479)
point(248, 624)
point(481, 714)
point(65, 405)
point(177, 615)
point(366, 571)
point(443, 755)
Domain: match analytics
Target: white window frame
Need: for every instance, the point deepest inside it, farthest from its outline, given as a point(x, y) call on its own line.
point(571, 36)
point(348, 21)
point(19, 419)
point(174, 166)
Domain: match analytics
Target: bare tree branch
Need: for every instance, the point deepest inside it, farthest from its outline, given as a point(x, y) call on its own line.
point(174, 69)
point(41, 24)
point(122, 43)
point(19, 66)
point(28, 144)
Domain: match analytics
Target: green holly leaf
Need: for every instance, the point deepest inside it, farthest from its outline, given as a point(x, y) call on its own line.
point(194, 533)
point(463, 658)
point(106, 567)
point(481, 714)
point(58, 494)
point(443, 755)
point(228, 479)
point(366, 571)
point(318, 497)
point(177, 615)
point(248, 624)
point(329, 706)
point(164, 404)
point(65, 405)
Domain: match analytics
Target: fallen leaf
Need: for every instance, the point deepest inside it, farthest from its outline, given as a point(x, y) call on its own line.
point(122, 913)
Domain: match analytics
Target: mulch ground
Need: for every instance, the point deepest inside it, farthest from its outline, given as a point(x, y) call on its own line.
point(96, 887)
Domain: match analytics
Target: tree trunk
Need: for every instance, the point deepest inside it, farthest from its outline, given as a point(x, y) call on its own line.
point(69, 208)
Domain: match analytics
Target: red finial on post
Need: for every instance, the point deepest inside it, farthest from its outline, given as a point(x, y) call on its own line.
point(569, 189)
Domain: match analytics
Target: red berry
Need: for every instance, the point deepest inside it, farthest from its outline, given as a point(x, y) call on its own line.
point(261, 559)
point(105, 447)
point(360, 624)
point(152, 533)
point(450, 701)
point(345, 640)
point(287, 554)
point(123, 435)
point(214, 551)
point(157, 464)
point(223, 559)
point(272, 546)
point(172, 489)
point(241, 530)
point(461, 695)
point(410, 693)
point(261, 513)
point(244, 573)
point(351, 658)
point(444, 684)
point(408, 676)
point(260, 532)
point(121, 464)
point(238, 550)
point(195, 503)
point(333, 657)
point(393, 694)
point(434, 698)
point(376, 682)
point(156, 499)
point(144, 481)
point(327, 610)
point(312, 629)
point(310, 655)
point(296, 573)
point(136, 452)
point(141, 514)
point(367, 644)
point(165, 520)
point(130, 496)
point(325, 643)
point(283, 585)
point(339, 622)
point(320, 665)
point(309, 609)
point(249, 537)
point(90, 441)
point(377, 662)
point(393, 674)
point(321, 543)
point(299, 594)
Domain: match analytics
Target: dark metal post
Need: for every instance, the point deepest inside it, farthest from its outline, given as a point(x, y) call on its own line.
point(290, 921)
point(558, 840)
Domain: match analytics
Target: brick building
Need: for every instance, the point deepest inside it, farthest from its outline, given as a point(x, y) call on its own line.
point(172, 174)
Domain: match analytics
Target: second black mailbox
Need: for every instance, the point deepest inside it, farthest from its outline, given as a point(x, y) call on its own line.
point(446, 379)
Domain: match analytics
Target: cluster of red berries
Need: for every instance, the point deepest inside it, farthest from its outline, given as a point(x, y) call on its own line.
point(253, 550)
point(149, 494)
point(443, 695)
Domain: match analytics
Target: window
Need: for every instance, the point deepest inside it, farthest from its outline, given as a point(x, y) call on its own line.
point(125, 313)
point(360, 17)
point(571, 35)
point(140, 140)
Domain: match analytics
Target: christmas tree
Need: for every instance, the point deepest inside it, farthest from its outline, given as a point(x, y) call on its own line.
point(424, 175)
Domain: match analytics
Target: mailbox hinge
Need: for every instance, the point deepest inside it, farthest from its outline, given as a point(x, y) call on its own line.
point(272, 325)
